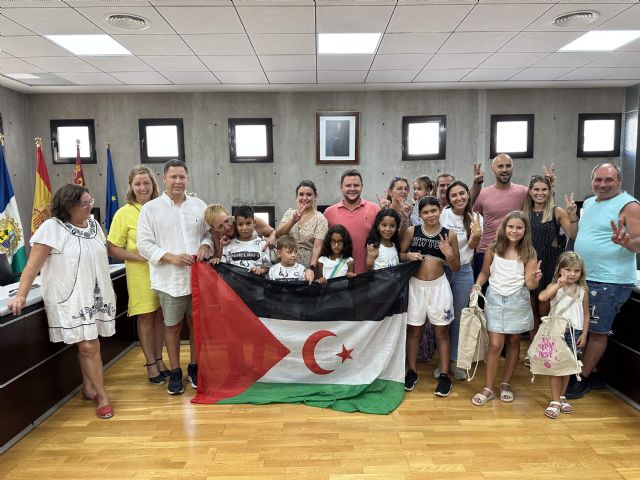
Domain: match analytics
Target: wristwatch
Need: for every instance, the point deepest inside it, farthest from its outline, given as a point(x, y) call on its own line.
point(312, 268)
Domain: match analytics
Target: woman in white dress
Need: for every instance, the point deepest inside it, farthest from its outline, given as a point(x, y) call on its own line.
point(70, 251)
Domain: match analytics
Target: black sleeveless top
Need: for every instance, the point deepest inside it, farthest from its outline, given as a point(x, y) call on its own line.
point(427, 244)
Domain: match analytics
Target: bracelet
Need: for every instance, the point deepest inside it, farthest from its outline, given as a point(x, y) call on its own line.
point(478, 183)
point(312, 268)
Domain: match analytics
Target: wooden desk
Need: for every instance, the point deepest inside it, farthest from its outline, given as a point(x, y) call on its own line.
point(37, 376)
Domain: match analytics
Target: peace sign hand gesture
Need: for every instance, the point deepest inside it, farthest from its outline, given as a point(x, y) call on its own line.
point(382, 201)
point(570, 207)
point(445, 247)
point(476, 229)
point(550, 173)
point(536, 275)
point(478, 174)
point(620, 235)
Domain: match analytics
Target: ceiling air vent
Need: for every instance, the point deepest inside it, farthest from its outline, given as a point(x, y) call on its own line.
point(575, 19)
point(126, 21)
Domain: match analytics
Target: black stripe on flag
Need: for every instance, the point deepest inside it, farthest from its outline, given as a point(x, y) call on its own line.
point(369, 296)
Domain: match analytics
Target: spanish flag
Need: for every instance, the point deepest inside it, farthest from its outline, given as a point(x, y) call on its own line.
point(42, 196)
point(78, 176)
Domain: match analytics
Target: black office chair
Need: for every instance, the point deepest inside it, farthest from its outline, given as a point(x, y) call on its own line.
point(6, 275)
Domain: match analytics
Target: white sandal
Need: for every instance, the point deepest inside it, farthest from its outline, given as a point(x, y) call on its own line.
point(480, 399)
point(553, 410)
point(565, 407)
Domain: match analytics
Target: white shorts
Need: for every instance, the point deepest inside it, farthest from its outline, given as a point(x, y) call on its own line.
point(432, 299)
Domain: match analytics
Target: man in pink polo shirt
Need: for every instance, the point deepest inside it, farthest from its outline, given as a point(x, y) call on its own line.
point(496, 201)
point(355, 214)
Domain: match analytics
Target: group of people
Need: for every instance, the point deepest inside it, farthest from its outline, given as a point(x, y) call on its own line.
point(506, 234)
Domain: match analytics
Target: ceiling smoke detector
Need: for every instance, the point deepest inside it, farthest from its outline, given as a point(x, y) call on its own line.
point(126, 21)
point(575, 19)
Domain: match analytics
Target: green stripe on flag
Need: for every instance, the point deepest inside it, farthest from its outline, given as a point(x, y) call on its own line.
point(381, 396)
point(19, 260)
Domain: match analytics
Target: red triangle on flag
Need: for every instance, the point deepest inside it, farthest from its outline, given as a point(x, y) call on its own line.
point(234, 347)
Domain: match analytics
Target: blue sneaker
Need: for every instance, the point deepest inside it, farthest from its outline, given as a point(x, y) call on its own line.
point(192, 374)
point(175, 382)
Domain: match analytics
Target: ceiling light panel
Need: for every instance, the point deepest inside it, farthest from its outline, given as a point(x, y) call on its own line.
point(89, 44)
point(601, 41)
point(348, 43)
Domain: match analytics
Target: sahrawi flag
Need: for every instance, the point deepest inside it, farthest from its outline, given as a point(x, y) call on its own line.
point(339, 346)
point(11, 234)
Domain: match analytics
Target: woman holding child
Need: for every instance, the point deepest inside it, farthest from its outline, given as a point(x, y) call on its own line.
point(306, 225)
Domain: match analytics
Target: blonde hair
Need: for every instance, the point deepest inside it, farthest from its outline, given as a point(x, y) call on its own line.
point(570, 259)
point(549, 206)
point(213, 211)
point(141, 170)
point(525, 250)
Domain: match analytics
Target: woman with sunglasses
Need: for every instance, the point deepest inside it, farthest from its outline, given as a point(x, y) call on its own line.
point(69, 249)
point(546, 219)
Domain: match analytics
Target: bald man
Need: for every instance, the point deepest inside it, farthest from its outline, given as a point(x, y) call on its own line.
point(608, 239)
point(496, 201)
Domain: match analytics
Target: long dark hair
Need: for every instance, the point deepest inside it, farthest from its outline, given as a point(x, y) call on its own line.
point(347, 246)
point(374, 235)
point(66, 197)
point(466, 221)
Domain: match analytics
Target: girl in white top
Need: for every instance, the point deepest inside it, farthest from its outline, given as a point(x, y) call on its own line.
point(422, 186)
point(511, 266)
point(569, 287)
point(384, 240)
point(335, 258)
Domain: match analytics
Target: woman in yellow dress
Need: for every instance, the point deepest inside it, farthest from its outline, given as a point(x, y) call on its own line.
point(143, 301)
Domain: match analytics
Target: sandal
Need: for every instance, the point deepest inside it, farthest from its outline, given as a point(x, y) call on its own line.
point(93, 398)
point(158, 379)
point(104, 412)
point(480, 399)
point(565, 407)
point(506, 394)
point(553, 410)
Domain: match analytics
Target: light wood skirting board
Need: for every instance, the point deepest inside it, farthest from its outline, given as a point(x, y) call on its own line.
point(155, 436)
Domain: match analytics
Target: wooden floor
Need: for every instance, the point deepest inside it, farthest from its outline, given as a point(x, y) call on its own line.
point(154, 435)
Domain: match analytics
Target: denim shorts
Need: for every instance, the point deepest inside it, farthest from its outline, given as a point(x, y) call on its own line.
point(605, 301)
point(508, 314)
point(567, 337)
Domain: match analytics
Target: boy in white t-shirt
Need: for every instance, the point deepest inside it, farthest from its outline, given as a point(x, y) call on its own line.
point(287, 270)
point(247, 249)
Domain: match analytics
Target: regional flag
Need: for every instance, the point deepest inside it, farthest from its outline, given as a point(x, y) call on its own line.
point(42, 195)
point(11, 233)
point(78, 176)
point(339, 346)
point(112, 193)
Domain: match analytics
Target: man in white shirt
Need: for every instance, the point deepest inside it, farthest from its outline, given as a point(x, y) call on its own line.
point(173, 235)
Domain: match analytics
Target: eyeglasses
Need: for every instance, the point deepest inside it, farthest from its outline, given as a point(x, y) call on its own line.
point(87, 204)
point(337, 242)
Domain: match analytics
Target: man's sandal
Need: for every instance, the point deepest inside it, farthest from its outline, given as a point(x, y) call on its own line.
point(565, 407)
point(480, 399)
point(553, 410)
point(506, 394)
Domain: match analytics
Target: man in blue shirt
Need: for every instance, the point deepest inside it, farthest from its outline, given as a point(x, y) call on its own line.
point(608, 239)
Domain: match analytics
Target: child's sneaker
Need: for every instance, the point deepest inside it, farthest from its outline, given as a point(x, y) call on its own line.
point(175, 382)
point(192, 374)
point(444, 385)
point(410, 380)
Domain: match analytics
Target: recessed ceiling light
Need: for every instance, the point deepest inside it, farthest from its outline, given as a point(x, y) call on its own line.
point(601, 41)
point(344, 43)
point(89, 44)
point(21, 76)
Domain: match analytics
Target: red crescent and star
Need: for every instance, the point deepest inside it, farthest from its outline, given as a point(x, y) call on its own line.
point(309, 348)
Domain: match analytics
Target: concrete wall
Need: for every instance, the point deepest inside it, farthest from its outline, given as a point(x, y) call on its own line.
point(216, 180)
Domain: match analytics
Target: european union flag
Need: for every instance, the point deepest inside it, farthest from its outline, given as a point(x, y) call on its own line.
point(112, 193)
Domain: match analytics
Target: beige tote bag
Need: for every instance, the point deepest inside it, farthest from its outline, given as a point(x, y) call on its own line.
point(473, 340)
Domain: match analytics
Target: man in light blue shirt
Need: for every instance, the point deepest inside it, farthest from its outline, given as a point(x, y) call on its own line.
point(608, 239)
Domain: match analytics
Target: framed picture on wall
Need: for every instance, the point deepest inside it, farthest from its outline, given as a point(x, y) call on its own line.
point(337, 137)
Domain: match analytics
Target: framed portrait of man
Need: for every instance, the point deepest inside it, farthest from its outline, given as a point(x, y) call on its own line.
point(337, 137)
